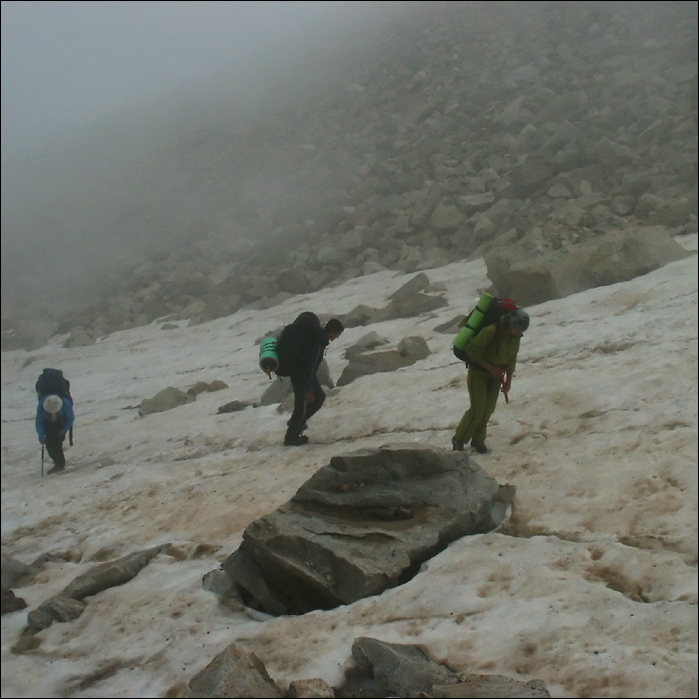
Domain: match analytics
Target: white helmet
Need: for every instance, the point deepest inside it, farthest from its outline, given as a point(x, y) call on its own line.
point(52, 404)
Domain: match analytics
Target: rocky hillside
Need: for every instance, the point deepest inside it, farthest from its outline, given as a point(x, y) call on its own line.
point(457, 130)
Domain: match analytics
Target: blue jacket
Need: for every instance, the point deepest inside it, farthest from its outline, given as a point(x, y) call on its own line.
point(65, 417)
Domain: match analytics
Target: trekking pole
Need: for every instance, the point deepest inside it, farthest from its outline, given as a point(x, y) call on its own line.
point(504, 393)
point(42, 460)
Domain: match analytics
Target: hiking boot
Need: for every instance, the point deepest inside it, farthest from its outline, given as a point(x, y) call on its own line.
point(55, 469)
point(456, 445)
point(480, 448)
point(295, 441)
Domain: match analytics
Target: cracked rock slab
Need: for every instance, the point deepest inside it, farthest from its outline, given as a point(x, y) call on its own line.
point(364, 523)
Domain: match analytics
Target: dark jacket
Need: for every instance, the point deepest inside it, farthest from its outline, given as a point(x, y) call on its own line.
point(310, 357)
point(300, 347)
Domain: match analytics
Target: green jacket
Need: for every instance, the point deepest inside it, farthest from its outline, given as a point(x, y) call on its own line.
point(499, 351)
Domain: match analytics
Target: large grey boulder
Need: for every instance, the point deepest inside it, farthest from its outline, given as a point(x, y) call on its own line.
point(410, 350)
point(405, 305)
point(167, 399)
point(407, 301)
point(533, 274)
point(367, 342)
point(362, 524)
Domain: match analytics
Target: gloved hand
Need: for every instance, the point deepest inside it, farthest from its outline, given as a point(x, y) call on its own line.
point(42, 441)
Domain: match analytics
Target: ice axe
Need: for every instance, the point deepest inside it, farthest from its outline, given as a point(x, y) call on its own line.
point(42, 460)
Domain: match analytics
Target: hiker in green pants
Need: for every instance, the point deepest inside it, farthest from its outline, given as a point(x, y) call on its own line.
point(493, 356)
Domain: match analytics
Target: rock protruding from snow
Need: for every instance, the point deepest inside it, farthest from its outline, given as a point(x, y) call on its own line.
point(167, 399)
point(234, 673)
point(364, 523)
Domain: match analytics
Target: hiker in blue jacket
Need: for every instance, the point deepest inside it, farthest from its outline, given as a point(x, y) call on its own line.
point(308, 395)
point(54, 418)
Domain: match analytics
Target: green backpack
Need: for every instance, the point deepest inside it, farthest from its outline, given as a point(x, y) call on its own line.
point(488, 310)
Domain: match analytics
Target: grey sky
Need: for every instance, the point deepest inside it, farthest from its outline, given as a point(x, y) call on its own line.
point(67, 63)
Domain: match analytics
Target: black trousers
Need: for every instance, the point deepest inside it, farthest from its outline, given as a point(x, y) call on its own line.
point(303, 410)
point(54, 443)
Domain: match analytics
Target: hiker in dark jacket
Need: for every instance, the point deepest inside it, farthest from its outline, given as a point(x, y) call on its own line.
point(493, 356)
point(308, 395)
point(54, 418)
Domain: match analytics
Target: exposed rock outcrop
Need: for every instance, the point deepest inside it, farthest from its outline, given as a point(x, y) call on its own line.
point(11, 603)
point(532, 271)
point(70, 602)
point(234, 673)
point(167, 399)
point(377, 669)
point(362, 524)
point(409, 351)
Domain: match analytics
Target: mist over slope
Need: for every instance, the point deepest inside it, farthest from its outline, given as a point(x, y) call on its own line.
point(364, 155)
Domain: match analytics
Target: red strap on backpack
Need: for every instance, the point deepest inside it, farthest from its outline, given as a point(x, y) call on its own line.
point(507, 305)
